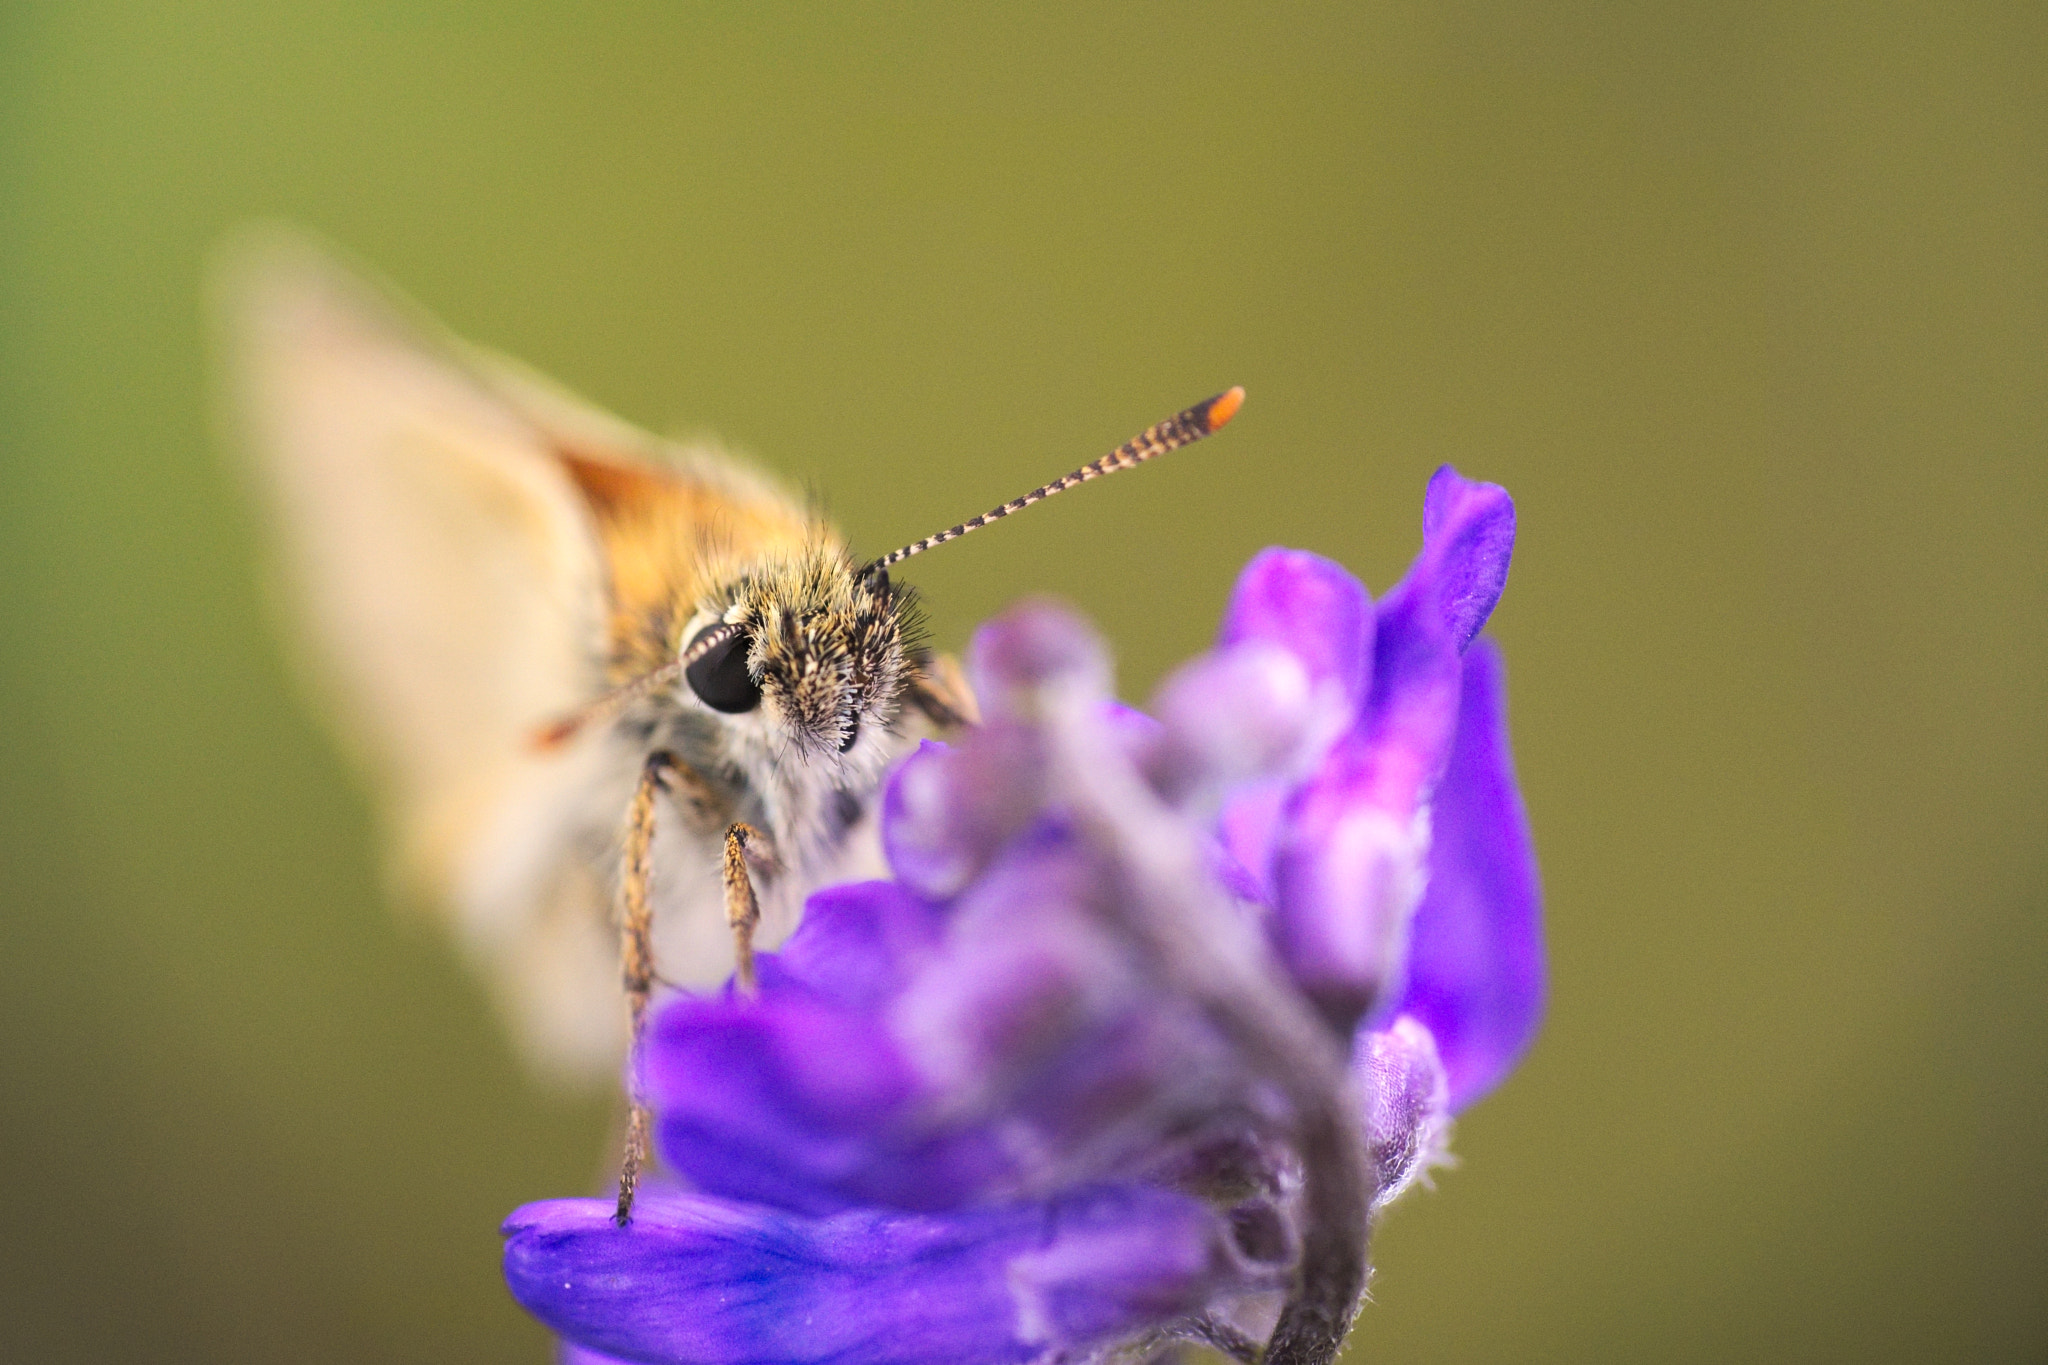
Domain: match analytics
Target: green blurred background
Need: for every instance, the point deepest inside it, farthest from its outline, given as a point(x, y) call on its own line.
point(1744, 302)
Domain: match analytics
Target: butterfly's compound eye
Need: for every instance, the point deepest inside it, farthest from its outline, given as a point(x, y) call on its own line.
point(720, 679)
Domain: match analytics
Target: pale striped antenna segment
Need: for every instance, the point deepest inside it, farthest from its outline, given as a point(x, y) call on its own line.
point(625, 694)
point(1183, 428)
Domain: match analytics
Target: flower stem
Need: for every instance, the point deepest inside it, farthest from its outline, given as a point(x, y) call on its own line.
point(1334, 1250)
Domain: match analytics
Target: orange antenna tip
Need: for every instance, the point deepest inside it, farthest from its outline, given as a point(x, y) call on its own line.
point(1224, 406)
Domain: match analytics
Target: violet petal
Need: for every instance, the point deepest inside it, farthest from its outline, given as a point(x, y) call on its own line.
point(947, 809)
point(1309, 605)
point(1468, 536)
point(1034, 657)
point(569, 1353)
point(1412, 709)
point(1238, 714)
point(1316, 609)
point(1348, 863)
point(1248, 827)
point(1347, 876)
point(800, 1097)
point(1475, 968)
point(700, 1281)
point(859, 942)
point(780, 1102)
point(1407, 1100)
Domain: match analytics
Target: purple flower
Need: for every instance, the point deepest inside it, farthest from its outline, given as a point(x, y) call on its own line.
point(1157, 1009)
point(1346, 858)
point(694, 1278)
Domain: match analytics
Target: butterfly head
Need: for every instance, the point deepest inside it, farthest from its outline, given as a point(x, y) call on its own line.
point(812, 645)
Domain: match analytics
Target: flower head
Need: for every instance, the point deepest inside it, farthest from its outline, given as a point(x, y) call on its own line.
point(1156, 1009)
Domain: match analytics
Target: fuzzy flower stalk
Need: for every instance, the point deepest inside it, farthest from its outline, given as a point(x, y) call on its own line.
point(1157, 1011)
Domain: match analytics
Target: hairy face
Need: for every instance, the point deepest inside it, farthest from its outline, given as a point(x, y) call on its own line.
point(820, 646)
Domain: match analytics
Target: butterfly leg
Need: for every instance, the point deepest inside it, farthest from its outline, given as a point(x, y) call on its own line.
point(636, 957)
point(742, 908)
point(662, 773)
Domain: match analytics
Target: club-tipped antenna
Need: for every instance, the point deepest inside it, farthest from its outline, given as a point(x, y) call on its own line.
point(1183, 428)
point(555, 735)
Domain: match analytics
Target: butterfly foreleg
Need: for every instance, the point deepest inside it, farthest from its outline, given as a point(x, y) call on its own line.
point(662, 773)
point(636, 957)
point(742, 908)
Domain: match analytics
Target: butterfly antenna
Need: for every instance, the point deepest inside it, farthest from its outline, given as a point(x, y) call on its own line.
point(1183, 428)
point(554, 736)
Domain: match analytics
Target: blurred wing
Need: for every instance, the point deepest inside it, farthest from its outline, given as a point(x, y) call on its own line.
point(444, 572)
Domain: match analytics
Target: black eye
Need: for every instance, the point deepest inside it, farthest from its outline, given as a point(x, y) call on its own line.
point(720, 678)
point(852, 734)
